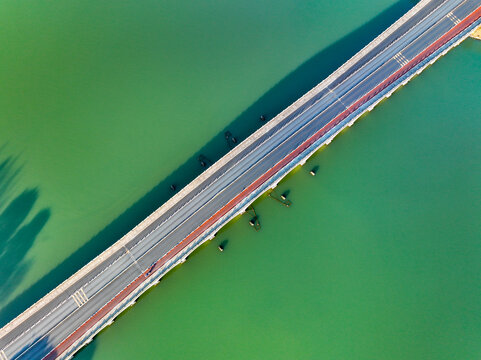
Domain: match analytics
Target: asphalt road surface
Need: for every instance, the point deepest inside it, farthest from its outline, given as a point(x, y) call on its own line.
point(45, 329)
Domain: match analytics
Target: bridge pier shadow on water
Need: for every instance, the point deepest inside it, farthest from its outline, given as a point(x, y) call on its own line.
point(270, 104)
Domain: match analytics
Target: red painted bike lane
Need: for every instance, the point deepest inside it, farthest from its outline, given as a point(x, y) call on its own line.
point(99, 315)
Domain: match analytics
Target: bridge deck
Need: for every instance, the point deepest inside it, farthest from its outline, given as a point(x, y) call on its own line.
point(53, 324)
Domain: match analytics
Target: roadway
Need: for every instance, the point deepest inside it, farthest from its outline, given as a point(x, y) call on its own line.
point(62, 316)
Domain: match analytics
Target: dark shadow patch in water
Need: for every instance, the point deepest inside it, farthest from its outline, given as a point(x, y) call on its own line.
point(19, 227)
point(223, 244)
point(271, 103)
point(8, 173)
point(16, 249)
point(15, 214)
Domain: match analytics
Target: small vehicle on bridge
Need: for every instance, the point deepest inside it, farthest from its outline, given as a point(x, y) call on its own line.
point(151, 269)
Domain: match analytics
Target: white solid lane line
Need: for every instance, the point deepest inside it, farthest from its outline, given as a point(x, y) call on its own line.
point(400, 59)
point(160, 224)
point(428, 14)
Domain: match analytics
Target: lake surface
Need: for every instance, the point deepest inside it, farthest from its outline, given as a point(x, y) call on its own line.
point(103, 106)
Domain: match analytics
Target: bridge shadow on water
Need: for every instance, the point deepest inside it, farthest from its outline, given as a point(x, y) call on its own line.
point(271, 103)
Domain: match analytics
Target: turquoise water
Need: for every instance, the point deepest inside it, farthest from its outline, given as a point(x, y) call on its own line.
point(104, 106)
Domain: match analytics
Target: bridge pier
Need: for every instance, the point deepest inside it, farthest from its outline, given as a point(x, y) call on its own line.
point(134, 287)
point(476, 34)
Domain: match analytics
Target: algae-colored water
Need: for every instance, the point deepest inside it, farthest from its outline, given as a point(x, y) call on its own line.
point(103, 106)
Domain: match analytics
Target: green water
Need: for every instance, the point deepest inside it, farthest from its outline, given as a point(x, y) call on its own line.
point(104, 105)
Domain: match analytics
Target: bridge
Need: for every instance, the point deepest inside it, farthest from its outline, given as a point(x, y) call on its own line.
point(68, 317)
